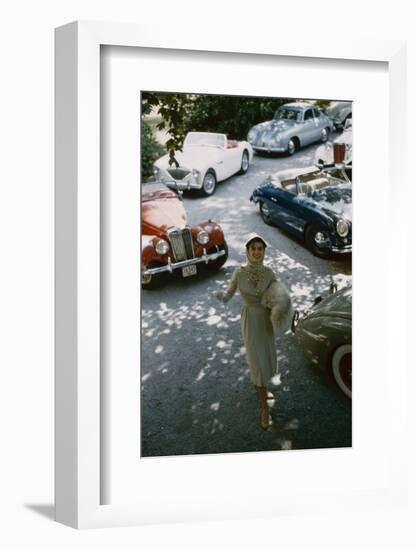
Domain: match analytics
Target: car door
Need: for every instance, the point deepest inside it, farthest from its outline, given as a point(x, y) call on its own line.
point(303, 212)
point(223, 160)
point(309, 130)
point(283, 209)
point(319, 123)
point(232, 158)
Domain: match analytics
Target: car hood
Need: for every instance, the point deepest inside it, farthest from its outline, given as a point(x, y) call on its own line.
point(335, 200)
point(274, 126)
point(192, 157)
point(161, 209)
point(338, 304)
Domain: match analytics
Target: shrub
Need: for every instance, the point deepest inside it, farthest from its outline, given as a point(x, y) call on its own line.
point(151, 150)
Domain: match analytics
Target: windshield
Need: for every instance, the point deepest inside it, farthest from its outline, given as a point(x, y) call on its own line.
point(288, 114)
point(209, 140)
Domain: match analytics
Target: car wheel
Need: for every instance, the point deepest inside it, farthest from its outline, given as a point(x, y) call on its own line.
point(324, 135)
point(153, 282)
point(342, 368)
point(318, 241)
point(244, 165)
point(215, 265)
point(291, 147)
point(265, 213)
point(209, 184)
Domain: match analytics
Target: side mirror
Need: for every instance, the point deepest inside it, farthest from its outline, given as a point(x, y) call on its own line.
point(333, 287)
point(295, 319)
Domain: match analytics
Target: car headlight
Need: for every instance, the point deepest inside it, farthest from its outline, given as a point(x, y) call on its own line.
point(342, 228)
point(195, 173)
point(203, 237)
point(162, 247)
point(155, 171)
point(251, 135)
point(278, 138)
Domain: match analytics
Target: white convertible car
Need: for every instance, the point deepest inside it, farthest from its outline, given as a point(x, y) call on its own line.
point(206, 159)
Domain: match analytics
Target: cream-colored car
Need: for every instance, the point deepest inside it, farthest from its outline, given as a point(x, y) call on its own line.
point(206, 159)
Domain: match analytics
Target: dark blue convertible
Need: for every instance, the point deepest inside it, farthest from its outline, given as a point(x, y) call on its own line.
point(312, 205)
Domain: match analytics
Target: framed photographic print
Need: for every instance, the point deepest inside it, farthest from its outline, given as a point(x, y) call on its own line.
point(162, 405)
point(201, 379)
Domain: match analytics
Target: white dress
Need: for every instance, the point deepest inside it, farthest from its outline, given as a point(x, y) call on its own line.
point(257, 330)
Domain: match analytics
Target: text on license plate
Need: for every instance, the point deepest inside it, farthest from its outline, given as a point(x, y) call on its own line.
point(189, 270)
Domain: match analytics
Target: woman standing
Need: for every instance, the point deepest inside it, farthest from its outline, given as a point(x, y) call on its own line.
point(252, 280)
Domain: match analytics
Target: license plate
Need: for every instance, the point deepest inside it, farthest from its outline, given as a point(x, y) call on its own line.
point(189, 270)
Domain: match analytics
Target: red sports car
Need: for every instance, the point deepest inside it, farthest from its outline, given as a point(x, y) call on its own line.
point(169, 244)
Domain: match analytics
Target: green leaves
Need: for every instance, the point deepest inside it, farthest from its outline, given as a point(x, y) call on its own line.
point(231, 115)
point(173, 108)
point(151, 150)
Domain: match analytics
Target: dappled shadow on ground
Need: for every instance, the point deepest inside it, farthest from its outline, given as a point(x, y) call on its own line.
point(196, 394)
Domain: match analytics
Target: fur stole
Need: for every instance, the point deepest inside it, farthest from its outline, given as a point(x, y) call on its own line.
point(276, 298)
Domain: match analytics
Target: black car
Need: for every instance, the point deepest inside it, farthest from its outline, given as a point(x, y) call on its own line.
point(311, 204)
point(325, 335)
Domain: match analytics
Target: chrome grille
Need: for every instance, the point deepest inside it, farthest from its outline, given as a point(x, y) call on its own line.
point(178, 173)
point(182, 243)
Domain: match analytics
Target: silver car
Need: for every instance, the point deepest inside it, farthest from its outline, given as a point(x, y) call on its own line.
point(339, 112)
point(294, 125)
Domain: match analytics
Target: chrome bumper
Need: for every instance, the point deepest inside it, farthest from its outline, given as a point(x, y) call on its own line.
point(170, 266)
point(184, 184)
point(345, 250)
point(269, 149)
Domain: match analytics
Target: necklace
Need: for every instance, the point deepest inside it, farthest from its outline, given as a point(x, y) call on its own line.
point(255, 274)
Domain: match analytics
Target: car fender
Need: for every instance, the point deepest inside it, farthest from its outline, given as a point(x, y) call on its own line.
point(315, 215)
point(214, 231)
point(320, 335)
point(245, 145)
point(149, 253)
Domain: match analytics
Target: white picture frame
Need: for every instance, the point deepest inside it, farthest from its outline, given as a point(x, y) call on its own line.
point(78, 293)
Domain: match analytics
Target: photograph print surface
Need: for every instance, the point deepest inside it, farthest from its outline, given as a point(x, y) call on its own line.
point(246, 273)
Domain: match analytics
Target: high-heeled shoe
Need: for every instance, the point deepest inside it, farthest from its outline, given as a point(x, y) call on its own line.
point(266, 421)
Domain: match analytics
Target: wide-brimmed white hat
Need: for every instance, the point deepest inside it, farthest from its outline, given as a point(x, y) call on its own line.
point(253, 236)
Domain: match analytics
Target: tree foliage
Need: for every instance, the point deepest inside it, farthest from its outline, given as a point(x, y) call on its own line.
point(231, 115)
point(173, 109)
point(151, 150)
